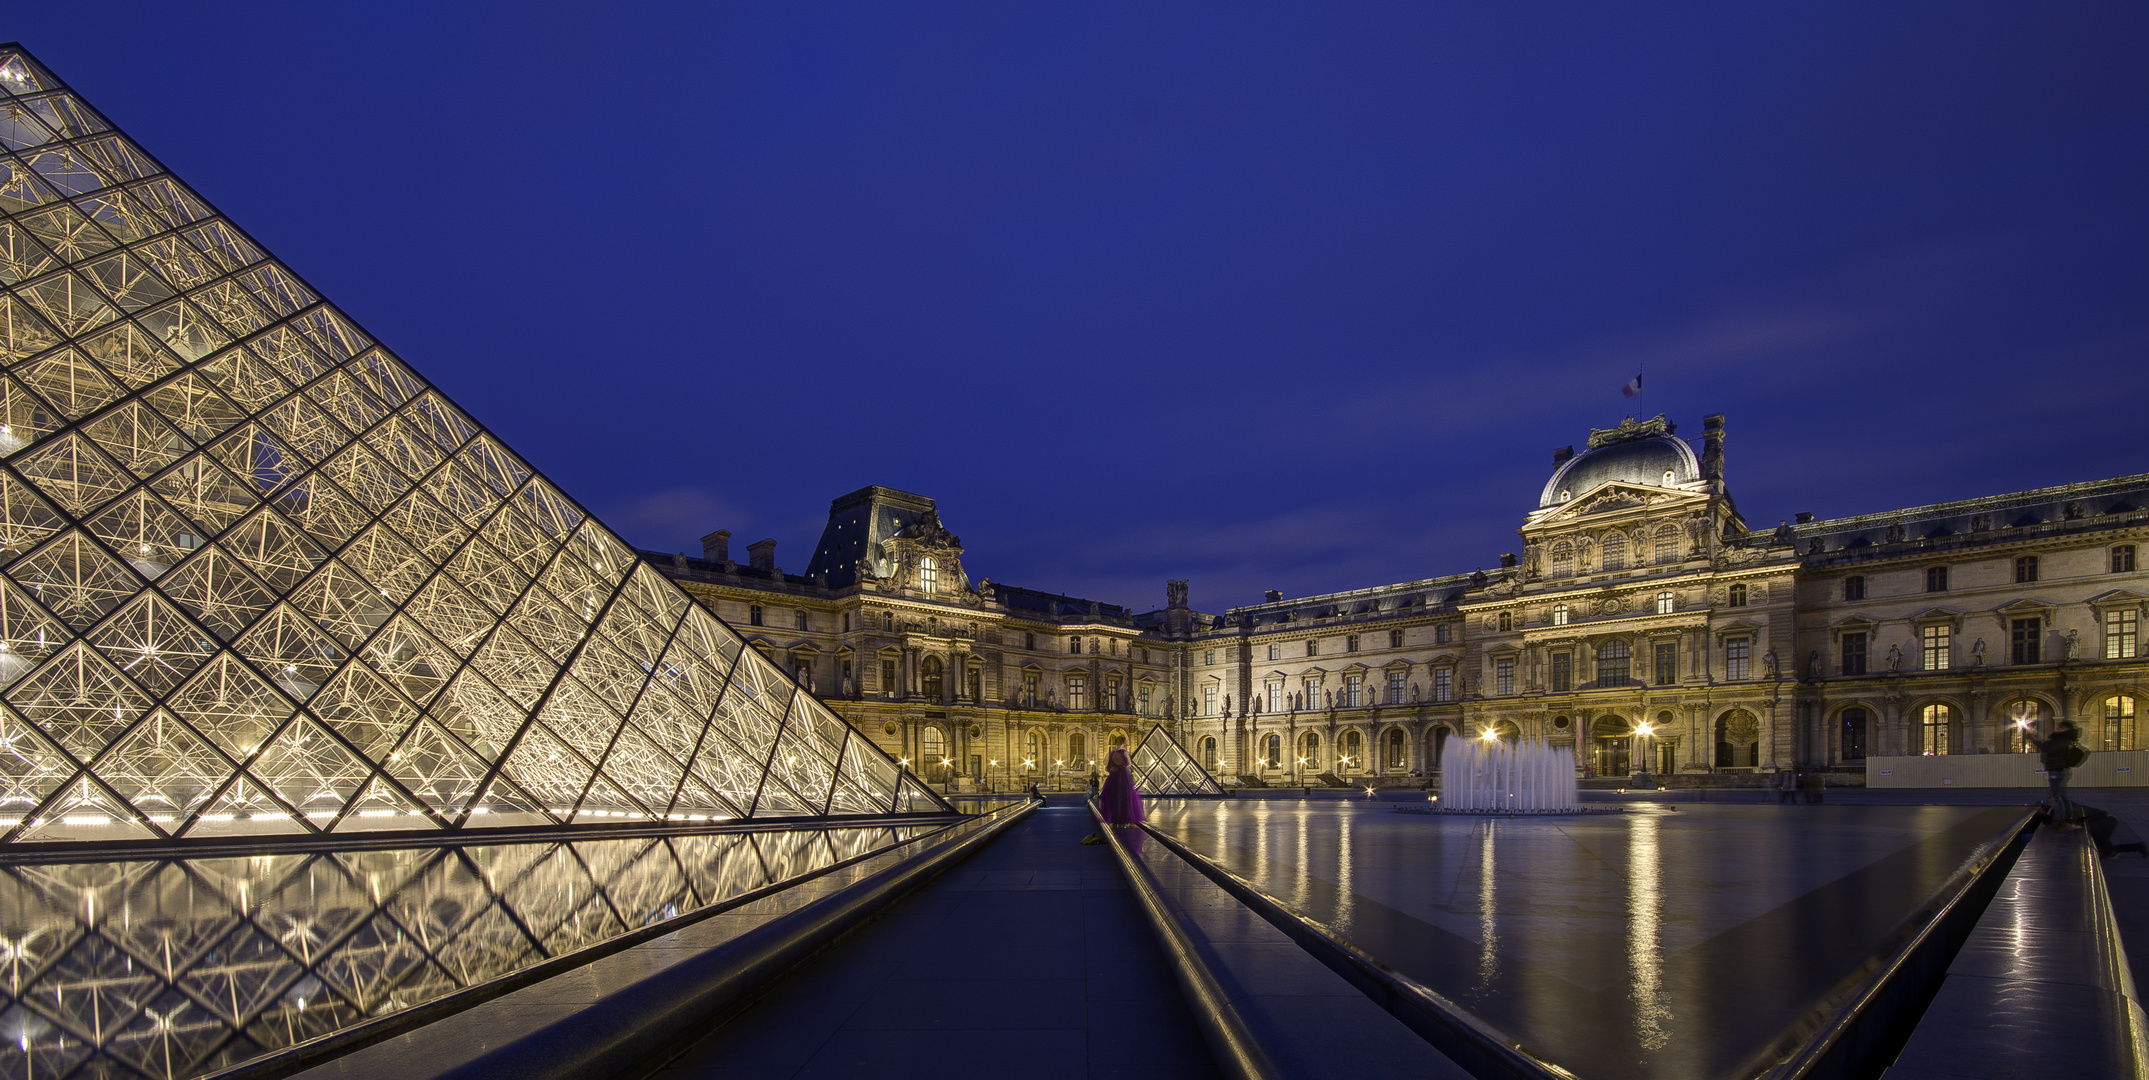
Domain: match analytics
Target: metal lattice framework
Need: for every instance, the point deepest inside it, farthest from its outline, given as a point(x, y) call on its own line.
point(257, 577)
point(175, 968)
point(1163, 767)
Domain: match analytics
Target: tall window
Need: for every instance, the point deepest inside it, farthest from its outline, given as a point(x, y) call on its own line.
point(887, 622)
point(2025, 569)
point(1563, 560)
point(2123, 559)
point(929, 678)
point(1275, 690)
point(887, 676)
point(2026, 641)
point(1208, 753)
point(1077, 692)
point(1503, 675)
point(1142, 693)
point(1441, 634)
point(753, 614)
point(1313, 647)
point(1208, 657)
point(1208, 701)
point(2119, 723)
point(1736, 596)
point(1853, 744)
point(934, 743)
point(1074, 644)
point(1559, 614)
point(1612, 663)
point(1313, 693)
point(1854, 587)
point(1666, 602)
point(1738, 664)
point(928, 574)
point(1562, 672)
point(1272, 751)
point(1936, 579)
point(1033, 745)
point(1667, 545)
point(1443, 684)
point(1396, 686)
point(2122, 634)
point(798, 618)
point(1397, 755)
point(1077, 749)
point(1354, 690)
point(1934, 640)
point(1029, 688)
point(1615, 552)
point(1352, 749)
point(1507, 622)
point(1854, 654)
point(1395, 639)
point(1667, 663)
point(1350, 644)
point(1935, 723)
point(1275, 652)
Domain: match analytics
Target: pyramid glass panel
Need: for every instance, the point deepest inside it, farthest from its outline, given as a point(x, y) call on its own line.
point(1163, 767)
point(261, 579)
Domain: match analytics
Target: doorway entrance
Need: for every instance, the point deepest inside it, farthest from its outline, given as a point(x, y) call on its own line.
point(1613, 742)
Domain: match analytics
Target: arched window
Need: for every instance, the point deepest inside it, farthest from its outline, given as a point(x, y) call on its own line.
point(928, 574)
point(933, 745)
point(930, 679)
point(2017, 736)
point(1396, 752)
point(1353, 750)
point(1559, 614)
point(1563, 559)
point(2119, 722)
point(1615, 552)
point(1208, 753)
point(1033, 747)
point(1309, 751)
point(1441, 735)
point(1667, 545)
point(1613, 662)
point(1077, 750)
point(1272, 752)
point(1852, 746)
point(1936, 727)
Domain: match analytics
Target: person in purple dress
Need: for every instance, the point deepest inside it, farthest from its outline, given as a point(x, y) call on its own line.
point(1119, 804)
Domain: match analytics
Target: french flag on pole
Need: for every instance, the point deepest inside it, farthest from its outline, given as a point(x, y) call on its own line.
point(1632, 388)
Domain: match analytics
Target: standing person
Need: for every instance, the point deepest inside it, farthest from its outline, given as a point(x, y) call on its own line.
point(2061, 752)
point(1787, 787)
point(1119, 804)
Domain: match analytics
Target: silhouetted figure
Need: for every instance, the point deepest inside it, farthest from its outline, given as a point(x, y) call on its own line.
point(2059, 754)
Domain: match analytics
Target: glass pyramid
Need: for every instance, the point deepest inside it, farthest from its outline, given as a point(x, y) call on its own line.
point(1162, 768)
point(257, 577)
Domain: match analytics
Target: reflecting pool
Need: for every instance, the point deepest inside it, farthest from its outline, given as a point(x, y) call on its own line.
point(176, 968)
point(1654, 943)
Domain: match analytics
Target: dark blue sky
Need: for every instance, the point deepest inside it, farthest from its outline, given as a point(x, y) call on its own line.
point(1296, 297)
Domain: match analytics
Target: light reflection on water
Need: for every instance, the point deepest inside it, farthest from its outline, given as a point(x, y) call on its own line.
point(179, 967)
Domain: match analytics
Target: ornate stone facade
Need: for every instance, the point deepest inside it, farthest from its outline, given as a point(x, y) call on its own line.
point(1643, 624)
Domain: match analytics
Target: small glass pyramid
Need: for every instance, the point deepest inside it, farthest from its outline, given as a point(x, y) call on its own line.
point(257, 577)
point(1163, 768)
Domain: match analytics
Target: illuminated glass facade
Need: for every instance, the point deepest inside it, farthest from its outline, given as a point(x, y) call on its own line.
point(257, 577)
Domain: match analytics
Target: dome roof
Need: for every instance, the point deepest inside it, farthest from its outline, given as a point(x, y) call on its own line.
point(1657, 461)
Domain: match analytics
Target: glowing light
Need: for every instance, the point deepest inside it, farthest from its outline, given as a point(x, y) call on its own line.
point(1643, 728)
point(1489, 735)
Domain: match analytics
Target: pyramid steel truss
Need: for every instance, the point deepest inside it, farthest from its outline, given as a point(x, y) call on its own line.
point(1162, 767)
point(257, 577)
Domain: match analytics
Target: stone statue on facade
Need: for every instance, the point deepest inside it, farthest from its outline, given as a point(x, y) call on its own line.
point(2073, 645)
point(1895, 658)
point(1813, 666)
point(1977, 653)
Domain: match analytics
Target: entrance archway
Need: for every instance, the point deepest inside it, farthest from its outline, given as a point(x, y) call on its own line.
point(1738, 740)
point(1611, 743)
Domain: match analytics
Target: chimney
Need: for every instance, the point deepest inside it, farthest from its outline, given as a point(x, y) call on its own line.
point(716, 547)
point(1560, 456)
point(761, 554)
point(1508, 561)
point(1712, 447)
point(1805, 517)
point(1272, 595)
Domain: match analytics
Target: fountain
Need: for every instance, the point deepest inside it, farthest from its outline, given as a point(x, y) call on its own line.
point(1492, 776)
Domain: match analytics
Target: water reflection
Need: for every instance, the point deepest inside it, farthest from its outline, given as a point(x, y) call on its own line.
point(1645, 952)
point(179, 967)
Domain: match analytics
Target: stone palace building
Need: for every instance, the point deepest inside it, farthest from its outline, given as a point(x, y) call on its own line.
point(1642, 623)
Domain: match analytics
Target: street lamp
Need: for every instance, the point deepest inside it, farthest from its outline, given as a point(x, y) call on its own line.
point(1643, 730)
